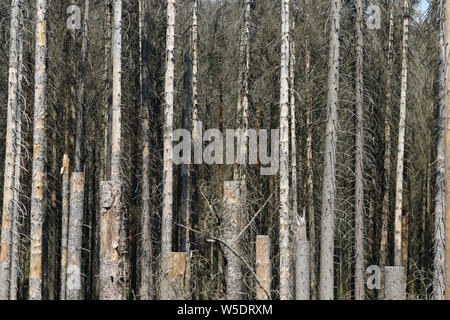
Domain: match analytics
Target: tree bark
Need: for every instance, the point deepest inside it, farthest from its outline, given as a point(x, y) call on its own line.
point(74, 265)
point(285, 256)
point(64, 223)
point(167, 214)
point(302, 262)
point(447, 162)
point(394, 283)
point(231, 217)
point(329, 173)
point(146, 289)
point(39, 176)
point(111, 263)
point(401, 141)
point(13, 125)
point(263, 267)
point(440, 199)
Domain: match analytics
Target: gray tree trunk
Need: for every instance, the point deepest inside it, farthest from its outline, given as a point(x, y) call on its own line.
point(394, 283)
point(74, 245)
point(401, 141)
point(285, 256)
point(167, 214)
point(302, 262)
point(111, 264)
point(231, 216)
point(263, 267)
point(329, 173)
point(64, 223)
point(38, 178)
point(10, 194)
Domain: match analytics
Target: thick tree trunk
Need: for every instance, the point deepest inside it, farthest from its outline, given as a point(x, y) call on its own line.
point(231, 216)
point(10, 195)
point(440, 200)
point(302, 262)
point(111, 264)
point(394, 283)
point(359, 143)
point(146, 289)
point(329, 173)
point(74, 265)
point(285, 256)
point(38, 178)
point(263, 267)
point(167, 214)
point(401, 141)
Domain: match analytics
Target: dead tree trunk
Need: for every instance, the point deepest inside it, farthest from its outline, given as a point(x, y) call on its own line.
point(359, 143)
point(440, 200)
point(302, 261)
point(111, 277)
point(387, 146)
point(64, 223)
point(38, 178)
point(447, 162)
point(401, 141)
point(394, 283)
point(10, 195)
point(329, 173)
point(230, 231)
point(167, 214)
point(146, 289)
point(263, 267)
point(285, 256)
point(74, 265)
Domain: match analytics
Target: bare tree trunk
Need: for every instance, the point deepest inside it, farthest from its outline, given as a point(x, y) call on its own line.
point(81, 93)
point(394, 283)
point(107, 78)
point(38, 178)
point(329, 173)
point(10, 196)
point(309, 202)
point(64, 222)
point(447, 163)
point(146, 289)
point(73, 285)
point(111, 264)
point(401, 141)
point(167, 214)
point(440, 200)
point(359, 143)
point(231, 217)
point(387, 147)
point(263, 267)
point(302, 262)
point(285, 256)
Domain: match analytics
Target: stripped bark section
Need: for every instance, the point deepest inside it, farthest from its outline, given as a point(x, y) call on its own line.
point(263, 267)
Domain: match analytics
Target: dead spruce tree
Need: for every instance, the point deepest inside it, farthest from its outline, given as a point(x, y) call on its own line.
point(167, 214)
point(11, 180)
point(112, 229)
point(285, 256)
point(146, 289)
point(329, 173)
point(38, 177)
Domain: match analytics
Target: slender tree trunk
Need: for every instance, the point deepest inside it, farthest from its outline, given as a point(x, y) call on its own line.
point(329, 173)
point(401, 141)
point(10, 196)
point(38, 178)
point(231, 213)
point(74, 265)
point(285, 256)
point(447, 162)
point(359, 142)
point(146, 289)
point(64, 221)
point(387, 148)
point(167, 214)
point(440, 200)
point(263, 267)
point(107, 77)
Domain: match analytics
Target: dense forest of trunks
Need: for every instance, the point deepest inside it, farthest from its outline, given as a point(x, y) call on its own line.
point(340, 191)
